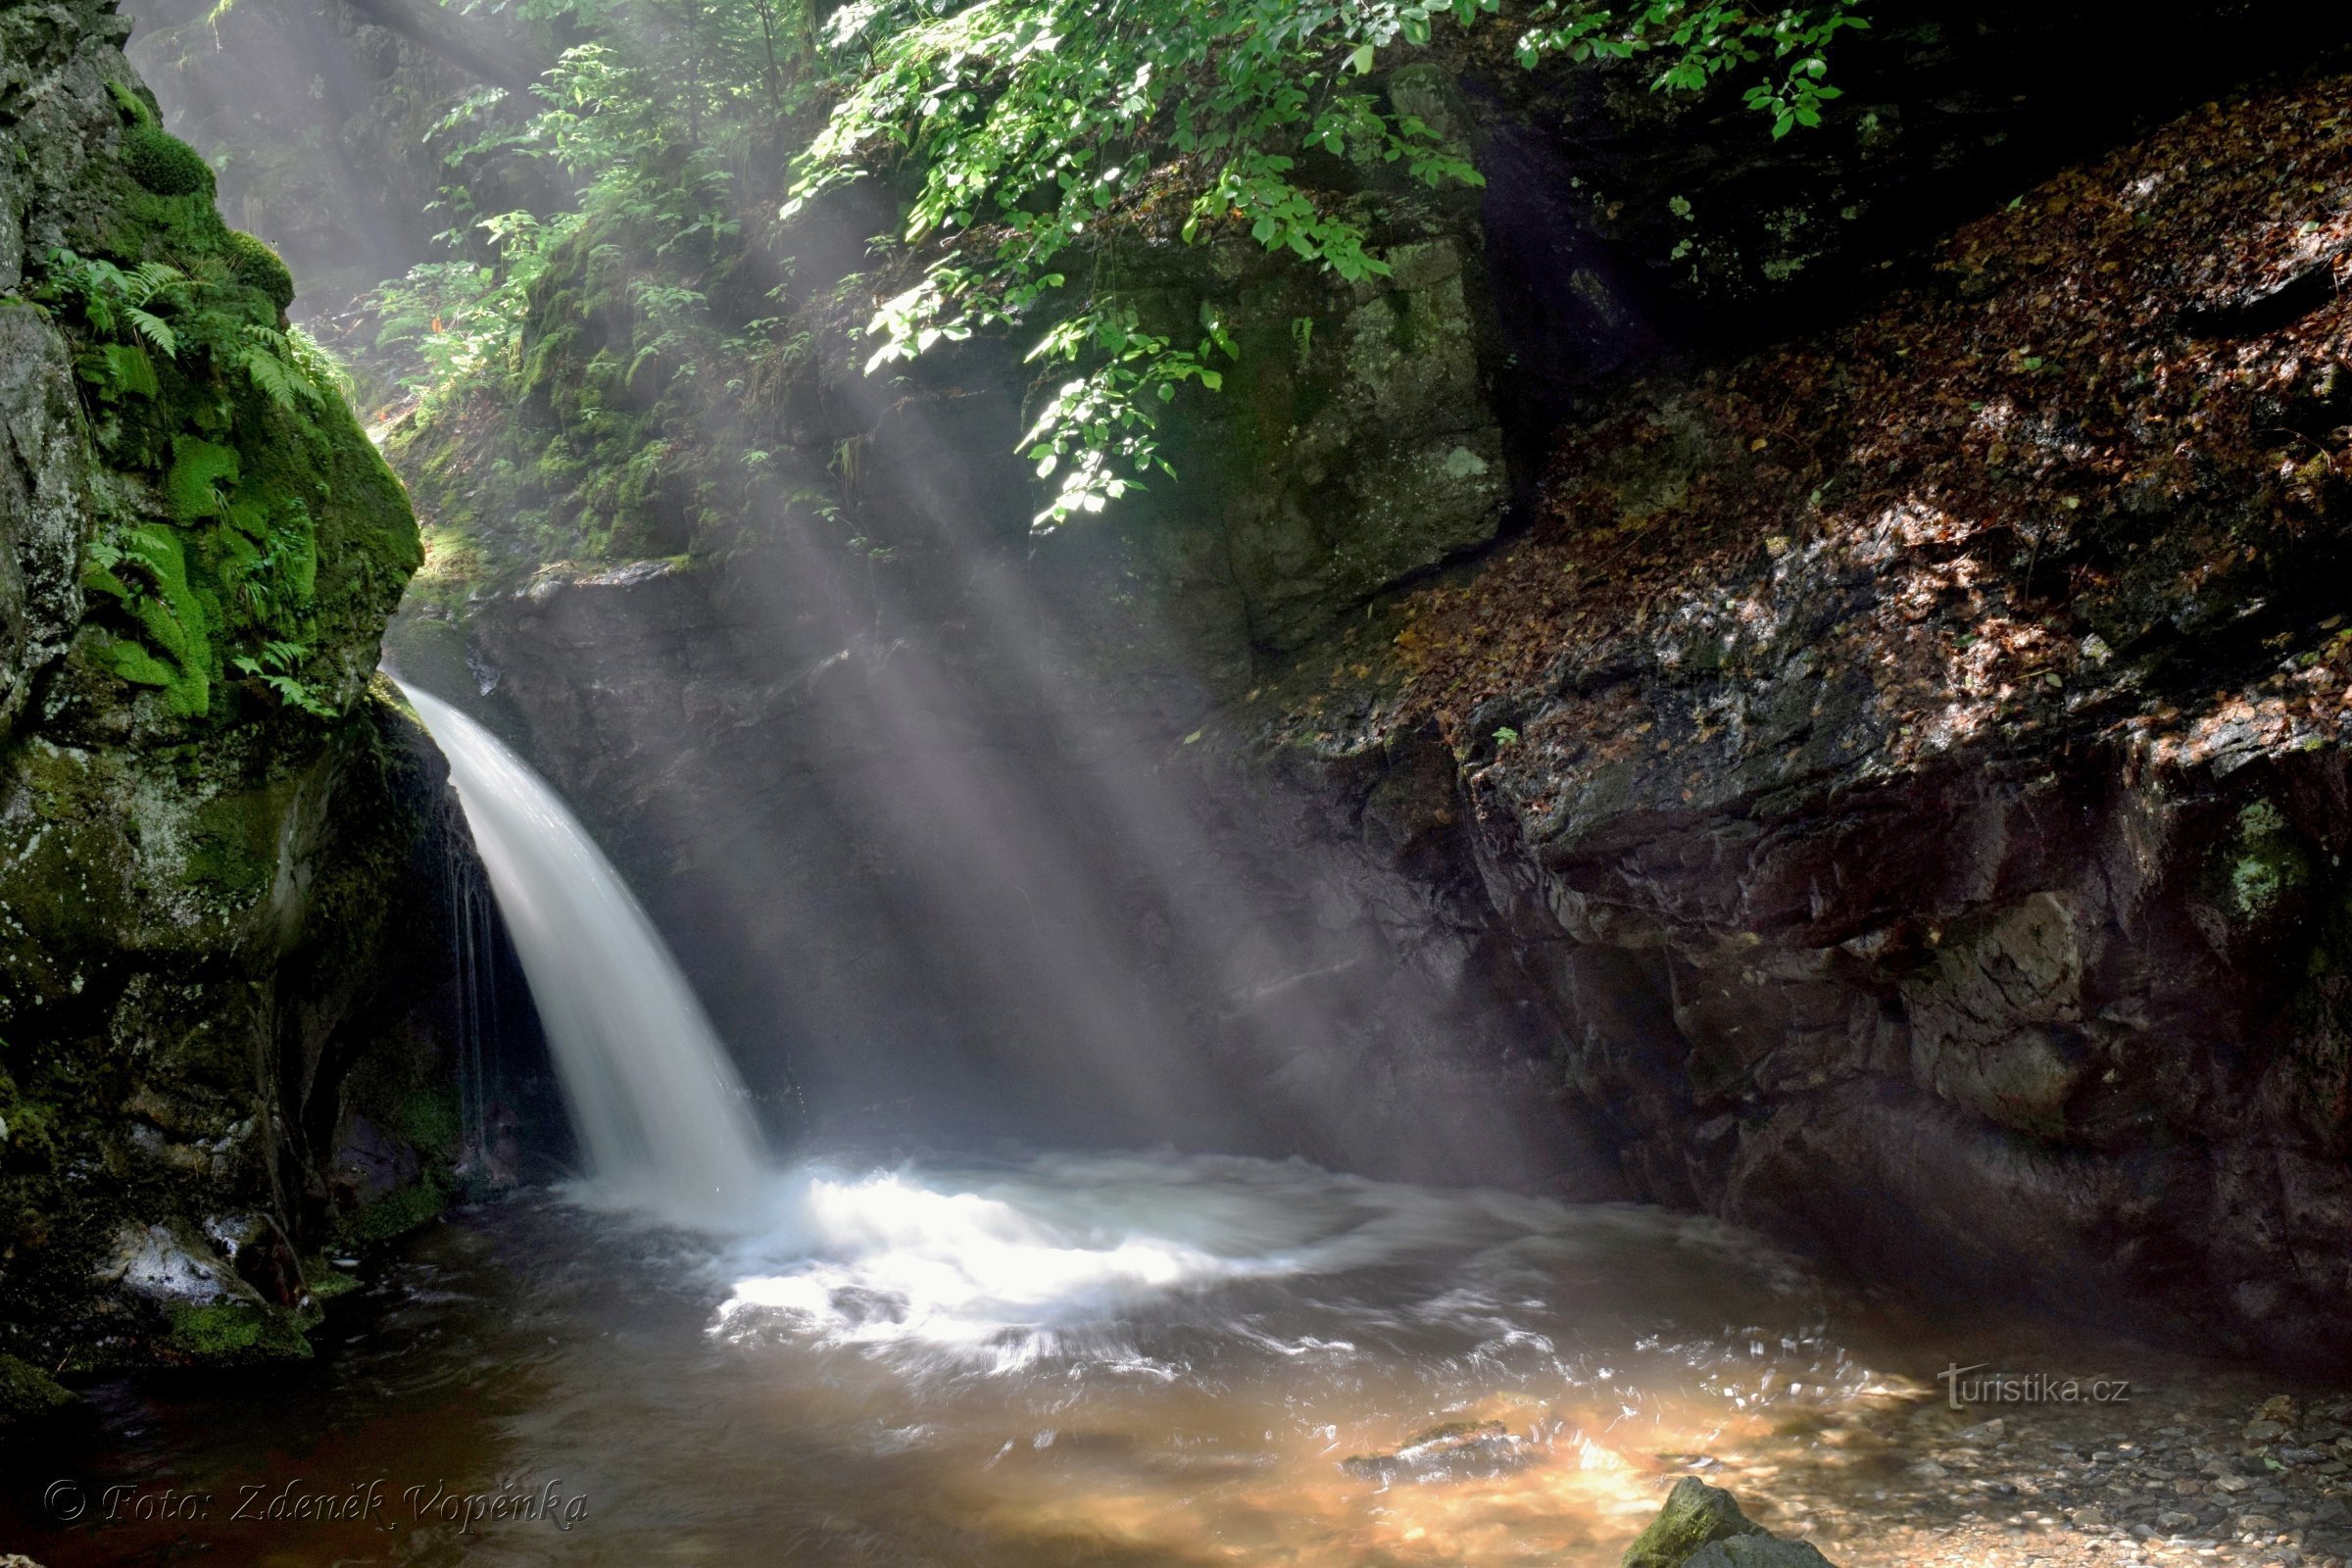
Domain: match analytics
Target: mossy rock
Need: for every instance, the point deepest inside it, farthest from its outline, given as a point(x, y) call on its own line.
point(1757, 1552)
point(234, 1333)
point(325, 1281)
point(163, 164)
point(25, 1392)
point(1695, 1515)
point(396, 1213)
point(132, 104)
point(256, 265)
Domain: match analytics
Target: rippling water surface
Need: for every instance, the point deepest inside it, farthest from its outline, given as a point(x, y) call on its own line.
point(1138, 1359)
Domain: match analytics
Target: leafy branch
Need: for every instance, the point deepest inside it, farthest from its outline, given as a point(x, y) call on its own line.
point(1029, 126)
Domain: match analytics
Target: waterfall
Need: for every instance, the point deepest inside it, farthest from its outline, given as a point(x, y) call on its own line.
point(660, 1113)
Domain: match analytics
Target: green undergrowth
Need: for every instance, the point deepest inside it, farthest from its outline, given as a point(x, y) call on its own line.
point(645, 345)
point(268, 531)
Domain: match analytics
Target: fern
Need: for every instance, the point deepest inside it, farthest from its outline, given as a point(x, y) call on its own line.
point(274, 668)
point(154, 329)
point(287, 368)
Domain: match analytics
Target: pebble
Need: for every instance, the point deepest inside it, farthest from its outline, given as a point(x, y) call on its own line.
point(2202, 1474)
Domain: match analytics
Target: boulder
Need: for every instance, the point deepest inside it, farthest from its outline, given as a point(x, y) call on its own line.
point(1703, 1527)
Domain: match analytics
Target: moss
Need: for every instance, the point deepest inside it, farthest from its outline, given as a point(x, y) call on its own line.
point(428, 1119)
point(200, 474)
point(2266, 863)
point(235, 846)
point(235, 1332)
point(131, 105)
point(1695, 1515)
point(396, 1213)
point(25, 1390)
point(325, 1281)
point(163, 164)
point(256, 265)
point(170, 610)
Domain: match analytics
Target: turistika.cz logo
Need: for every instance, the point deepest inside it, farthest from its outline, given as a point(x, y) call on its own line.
point(1964, 1385)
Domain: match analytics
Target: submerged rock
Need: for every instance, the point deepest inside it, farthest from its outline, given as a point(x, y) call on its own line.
point(1456, 1451)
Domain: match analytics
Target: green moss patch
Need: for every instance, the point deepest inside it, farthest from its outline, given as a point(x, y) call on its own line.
point(236, 1332)
point(325, 1281)
point(2266, 863)
point(255, 264)
point(396, 1213)
point(25, 1390)
point(163, 164)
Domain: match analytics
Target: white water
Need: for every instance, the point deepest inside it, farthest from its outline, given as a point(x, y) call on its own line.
point(660, 1113)
point(1147, 1262)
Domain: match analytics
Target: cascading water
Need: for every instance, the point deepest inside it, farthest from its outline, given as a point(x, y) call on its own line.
point(660, 1113)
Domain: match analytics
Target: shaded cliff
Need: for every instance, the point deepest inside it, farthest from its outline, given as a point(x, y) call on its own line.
point(1910, 763)
point(220, 845)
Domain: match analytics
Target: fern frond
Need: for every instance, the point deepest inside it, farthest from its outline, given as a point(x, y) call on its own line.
point(274, 362)
point(275, 380)
point(150, 278)
point(155, 330)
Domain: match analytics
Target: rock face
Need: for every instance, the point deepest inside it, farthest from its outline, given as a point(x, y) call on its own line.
point(219, 844)
point(1912, 762)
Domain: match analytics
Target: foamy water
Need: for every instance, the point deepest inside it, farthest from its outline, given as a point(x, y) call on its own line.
point(1155, 1261)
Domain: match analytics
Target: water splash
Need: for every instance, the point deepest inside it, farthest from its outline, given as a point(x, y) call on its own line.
point(660, 1113)
point(1150, 1262)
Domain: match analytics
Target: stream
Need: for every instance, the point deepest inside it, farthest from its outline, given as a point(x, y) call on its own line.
point(1102, 1359)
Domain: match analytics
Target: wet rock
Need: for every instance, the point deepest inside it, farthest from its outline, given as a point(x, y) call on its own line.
point(218, 909)
point(165, 1264)
point(44, 502)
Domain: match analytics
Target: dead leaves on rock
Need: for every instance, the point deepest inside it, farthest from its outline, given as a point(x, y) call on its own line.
point(1986, 497)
